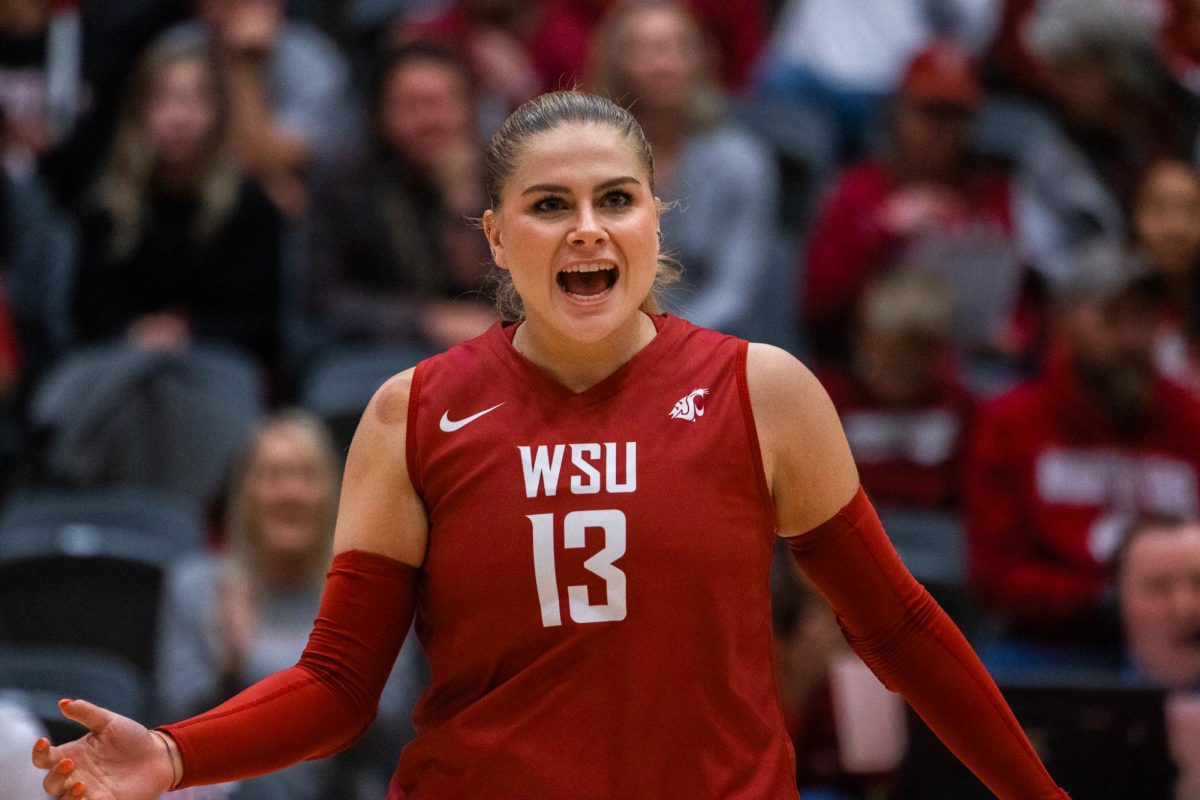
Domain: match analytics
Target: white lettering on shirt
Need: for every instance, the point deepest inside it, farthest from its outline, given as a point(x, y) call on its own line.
point(542, 467)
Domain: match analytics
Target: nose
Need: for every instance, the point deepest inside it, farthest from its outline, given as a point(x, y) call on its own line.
point(587, 232)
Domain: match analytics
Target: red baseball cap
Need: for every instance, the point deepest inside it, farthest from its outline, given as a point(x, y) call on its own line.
point(943, 73)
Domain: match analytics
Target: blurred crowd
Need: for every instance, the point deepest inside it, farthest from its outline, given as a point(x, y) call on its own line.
point(977, 220)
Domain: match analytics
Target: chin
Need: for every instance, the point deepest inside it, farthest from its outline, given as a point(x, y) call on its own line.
point(595, 323)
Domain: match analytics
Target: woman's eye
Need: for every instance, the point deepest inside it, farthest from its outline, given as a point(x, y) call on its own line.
point(617, 199)
point(549, 204)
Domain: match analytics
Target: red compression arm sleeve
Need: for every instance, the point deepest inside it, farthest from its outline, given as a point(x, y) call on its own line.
point(907, 640)
point(327, 700)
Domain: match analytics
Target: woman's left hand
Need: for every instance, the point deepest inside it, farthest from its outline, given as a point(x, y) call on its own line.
point(118, 759)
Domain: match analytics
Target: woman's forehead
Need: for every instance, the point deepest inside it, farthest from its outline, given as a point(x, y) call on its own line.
point(576, 154)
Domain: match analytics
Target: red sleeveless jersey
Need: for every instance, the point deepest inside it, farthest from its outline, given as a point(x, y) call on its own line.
point(594, 603)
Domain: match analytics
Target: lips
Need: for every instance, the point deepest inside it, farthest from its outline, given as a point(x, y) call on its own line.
point(588, 280)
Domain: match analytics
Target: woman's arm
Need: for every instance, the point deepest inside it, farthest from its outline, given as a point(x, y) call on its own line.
point(889, 619)
point(325, 702)
point(328, 698)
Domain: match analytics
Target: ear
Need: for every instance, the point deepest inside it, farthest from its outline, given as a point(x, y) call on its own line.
point(491, 229)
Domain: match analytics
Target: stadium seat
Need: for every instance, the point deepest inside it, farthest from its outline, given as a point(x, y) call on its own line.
point(931, 543)
point(154, 526)
point(37, 676)
point(123, 416)
point(86, 568)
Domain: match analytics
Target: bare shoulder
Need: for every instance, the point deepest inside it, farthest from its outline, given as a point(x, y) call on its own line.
point(779, 382)
point(805, 455)
point(389, 406)
point(379, 509)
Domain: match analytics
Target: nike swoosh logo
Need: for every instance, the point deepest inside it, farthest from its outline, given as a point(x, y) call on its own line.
point(450, 426)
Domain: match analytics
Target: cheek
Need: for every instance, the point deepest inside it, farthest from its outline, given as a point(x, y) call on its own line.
point(1147, 612)
point(643, 251)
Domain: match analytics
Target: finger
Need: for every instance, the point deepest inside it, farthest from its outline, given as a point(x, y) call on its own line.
point(56, 779)
point(45, 755)
point(94, 718)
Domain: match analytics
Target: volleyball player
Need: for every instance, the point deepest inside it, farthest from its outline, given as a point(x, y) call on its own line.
point(580, 508)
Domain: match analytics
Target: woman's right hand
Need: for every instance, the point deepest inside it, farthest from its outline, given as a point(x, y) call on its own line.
point(118, 759)
point(238, 620)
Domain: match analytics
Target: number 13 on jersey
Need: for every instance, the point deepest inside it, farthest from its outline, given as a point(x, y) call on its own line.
point(575, 525)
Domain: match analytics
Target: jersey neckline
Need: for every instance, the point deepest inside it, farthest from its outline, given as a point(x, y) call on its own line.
point(500, 336)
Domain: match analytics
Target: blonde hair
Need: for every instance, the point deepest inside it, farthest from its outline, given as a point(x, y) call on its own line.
point(545, 113)
point(123, 188)
point(705, 103)
point(910, 302)
point(242, 531)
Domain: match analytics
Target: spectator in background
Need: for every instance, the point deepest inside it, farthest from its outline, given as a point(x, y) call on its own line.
point(515, 48)
point(1157, 569)
point(807, 640)
point(230, 619)
point(289, 87)
point(904, 412)
point(739, 33)
point(1166, 233)
point(654, 58)
point(514, 43)
point(846, 55)
point(113, 35)
point(391, 254)
point(930, 200)
point(178, 244)
point(1157, 574)
point(40, 85)
point(826, 692)
point(1013, 68)
point(1116, 113)
point(1058, 467)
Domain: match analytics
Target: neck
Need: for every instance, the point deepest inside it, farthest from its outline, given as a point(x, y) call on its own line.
point(581, 365)
point(287, 570)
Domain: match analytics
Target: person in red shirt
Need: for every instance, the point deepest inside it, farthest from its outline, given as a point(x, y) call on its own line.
point(1058, 467)
point(1166, 233)
point(579, 508)
point(904, 412)
point(929, 200)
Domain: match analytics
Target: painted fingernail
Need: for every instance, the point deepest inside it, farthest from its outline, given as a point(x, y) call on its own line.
point(66, 766)
point(78, 790)
point(63, 703)
point(41, 745)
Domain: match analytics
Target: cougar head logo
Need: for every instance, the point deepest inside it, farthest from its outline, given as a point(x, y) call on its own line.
point(689, 407)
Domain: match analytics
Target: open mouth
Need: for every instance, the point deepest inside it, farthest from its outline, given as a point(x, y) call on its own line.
point(587, 281)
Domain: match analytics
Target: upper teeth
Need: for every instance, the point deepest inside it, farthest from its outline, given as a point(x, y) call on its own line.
point(587, 267)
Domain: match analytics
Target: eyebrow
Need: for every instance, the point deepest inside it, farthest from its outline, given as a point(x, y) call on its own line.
point(555, 188)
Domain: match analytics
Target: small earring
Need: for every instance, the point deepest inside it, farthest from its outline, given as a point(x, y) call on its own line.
point(660, 237)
